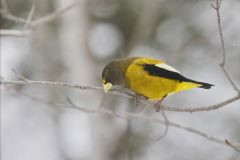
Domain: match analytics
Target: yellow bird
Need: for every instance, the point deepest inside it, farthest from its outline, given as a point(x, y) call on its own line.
point(148, 77)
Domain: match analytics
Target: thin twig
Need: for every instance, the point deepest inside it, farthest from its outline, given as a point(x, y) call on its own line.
point(166, 126)
point(49, 83)
point(123, 94)
point(217, 7)
point(234, 86)
point(132, 116)
point(75, 106)
point(30, 15)
point(234, 146)
point(11, 17)
point(221, 37)
point(19, 75)
point(32, 23)
point(15, 33)
point(53, 15)
point(201, 109)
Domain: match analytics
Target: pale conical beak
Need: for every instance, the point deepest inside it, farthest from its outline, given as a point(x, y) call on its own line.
point(107, 87)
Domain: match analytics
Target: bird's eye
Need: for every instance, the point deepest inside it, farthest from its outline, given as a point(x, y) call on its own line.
point(108, 81)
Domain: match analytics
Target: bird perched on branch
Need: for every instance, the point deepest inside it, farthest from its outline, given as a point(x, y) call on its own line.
point(147, 77)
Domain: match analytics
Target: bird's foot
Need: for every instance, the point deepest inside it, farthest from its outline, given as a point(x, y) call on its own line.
point(136, 98)
point(157, 106)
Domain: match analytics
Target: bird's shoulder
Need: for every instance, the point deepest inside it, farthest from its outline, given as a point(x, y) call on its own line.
point(153, 63)
point(146, 60)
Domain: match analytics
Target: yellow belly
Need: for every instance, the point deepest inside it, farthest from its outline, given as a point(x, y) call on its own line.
point(152, 87)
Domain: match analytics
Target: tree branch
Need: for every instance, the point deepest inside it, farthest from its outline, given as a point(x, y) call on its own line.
point(124, 94)
point(134, 116)
point(30, 15)
point(31, 23)
point(50, 17)
point(49, 83)
point(235, 146)
point(217, 7)
point(15, 33)
point(5, 14)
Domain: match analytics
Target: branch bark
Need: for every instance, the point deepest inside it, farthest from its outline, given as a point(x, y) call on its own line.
point(217, 7)
point(124, 94)
point(31, 24)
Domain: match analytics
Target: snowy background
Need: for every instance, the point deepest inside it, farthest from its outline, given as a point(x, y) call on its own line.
point(74, 48)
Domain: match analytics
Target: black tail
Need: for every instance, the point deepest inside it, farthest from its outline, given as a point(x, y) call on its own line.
point(153, 70)
point(205, 85)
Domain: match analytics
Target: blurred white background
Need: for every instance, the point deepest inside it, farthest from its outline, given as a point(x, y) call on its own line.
point(75, 46)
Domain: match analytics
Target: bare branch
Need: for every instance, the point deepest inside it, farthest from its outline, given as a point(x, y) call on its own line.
point(217, 6)
point(213, 6)
point(50, 17)
point(19, 75)
point(166, 126)
point(15, 33)
point(221, 37)
point(124, 94)
point(49, 83)
point(11, 17)
point(230, 80)
point(207, 108)
point(29, 24)
point(235, 146)
point(72, 105)
point(30, 15)
point(134, 116)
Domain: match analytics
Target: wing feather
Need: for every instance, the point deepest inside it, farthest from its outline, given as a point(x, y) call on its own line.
point(164, 71)
point(167, 67)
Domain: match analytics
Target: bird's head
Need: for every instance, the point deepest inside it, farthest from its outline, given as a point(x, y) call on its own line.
point(111, 75)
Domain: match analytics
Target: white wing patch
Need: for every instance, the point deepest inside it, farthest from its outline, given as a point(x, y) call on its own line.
point(167, 67)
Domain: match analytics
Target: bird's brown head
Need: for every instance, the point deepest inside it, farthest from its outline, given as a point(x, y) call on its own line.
point(112, 75)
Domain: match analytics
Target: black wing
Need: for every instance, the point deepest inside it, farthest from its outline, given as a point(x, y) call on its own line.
point(154, 70)
point(164, 73)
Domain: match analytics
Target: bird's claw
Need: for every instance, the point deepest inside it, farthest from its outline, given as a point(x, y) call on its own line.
point(157, 107)
point(136, 98)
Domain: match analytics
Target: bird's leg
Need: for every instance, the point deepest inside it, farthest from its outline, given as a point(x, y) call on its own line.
point(157, 105)
point(136, 98)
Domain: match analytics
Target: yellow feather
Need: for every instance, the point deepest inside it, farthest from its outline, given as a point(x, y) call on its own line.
point(152, 87)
